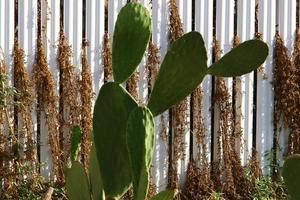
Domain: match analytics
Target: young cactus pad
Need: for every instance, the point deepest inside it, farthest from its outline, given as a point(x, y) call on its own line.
point(140, 143)
point(131, 37)
point(291, 176)
point(111, 112)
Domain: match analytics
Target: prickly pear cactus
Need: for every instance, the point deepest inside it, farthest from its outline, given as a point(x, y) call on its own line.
point(182, 70)
point(77, 183)
point(291, 176)
point(131, 37)
point(75, 142)
point(243, 59)
point(165, 195)
point(124, 132)
point(111, 112)
point(140, 143)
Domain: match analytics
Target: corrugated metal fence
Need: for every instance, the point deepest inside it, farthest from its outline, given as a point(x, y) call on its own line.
point(219, 18)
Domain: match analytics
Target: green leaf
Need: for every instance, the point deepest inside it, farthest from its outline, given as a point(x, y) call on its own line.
point(131, 36)
point(95, 176)
point(181, 72)
point(243, 59)
point(140, 143)
point(291, 176)
point(77, 183)
point(165, 195)
point(76, 139)
point(111, 113)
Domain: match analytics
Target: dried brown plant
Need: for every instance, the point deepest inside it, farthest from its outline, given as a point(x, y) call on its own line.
point(25, 99)
point(47, 106)
point(69, 101)
point(287, 105)
point(107, 58)
point(86, 92)
point(180, 111)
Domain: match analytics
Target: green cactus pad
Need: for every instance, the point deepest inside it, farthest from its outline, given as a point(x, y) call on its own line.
point(111, 111)
point(77, 183)
point(165, 195)
point(243, 59)
point(76, 139)
point(131, 36)
point(140, 143)
point(291, 176)
point(182, 70)
point(95, 176)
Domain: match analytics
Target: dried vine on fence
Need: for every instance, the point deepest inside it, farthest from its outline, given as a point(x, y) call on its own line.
point(286, 78)
point(69, 101)
point(25, 99)
point(180, 111)
point(107, 58)
point(47, 105)
point(86, 91)
point(7, 137)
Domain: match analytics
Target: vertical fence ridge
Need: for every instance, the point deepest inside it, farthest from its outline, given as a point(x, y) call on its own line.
point(265, 94)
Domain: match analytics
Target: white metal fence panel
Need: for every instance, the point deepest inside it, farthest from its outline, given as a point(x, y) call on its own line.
point(269, 14)
point(185, 8)
point(245, 31)
point(204, 11)
point(224, 35)
point(94, 34)
point(265, 93)
point(160, 39)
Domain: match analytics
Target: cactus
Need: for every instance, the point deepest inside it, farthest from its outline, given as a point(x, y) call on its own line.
point(124, 131)
point(291, 176)
point(111, 112)
point(181, 72)
point(241, 60)
point(184, 68)
point(95, 176)
point(92, 186)
point(165, 195)
point(131, 36)
point(77, 183)
point(75, 142)
point(140, 143)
